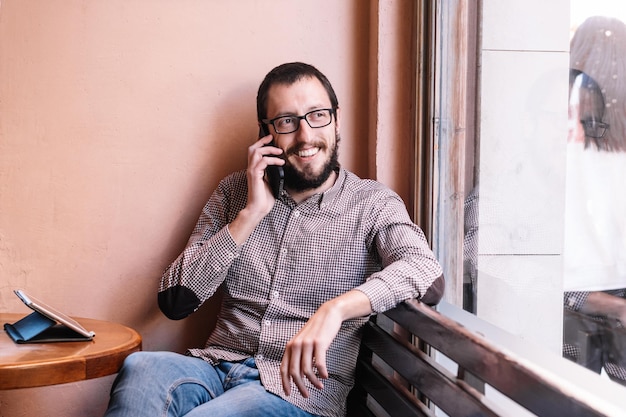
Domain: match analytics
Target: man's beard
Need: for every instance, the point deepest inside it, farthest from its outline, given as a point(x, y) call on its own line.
point(303, 181)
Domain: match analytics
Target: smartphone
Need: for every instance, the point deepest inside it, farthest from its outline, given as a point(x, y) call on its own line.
point(275, 174)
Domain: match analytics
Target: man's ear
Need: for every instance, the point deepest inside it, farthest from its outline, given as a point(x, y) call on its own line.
point(337, 116)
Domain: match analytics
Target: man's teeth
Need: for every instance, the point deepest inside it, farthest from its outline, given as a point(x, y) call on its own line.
point(308, 152)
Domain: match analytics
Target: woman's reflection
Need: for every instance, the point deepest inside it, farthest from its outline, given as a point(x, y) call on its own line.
point(595, 214)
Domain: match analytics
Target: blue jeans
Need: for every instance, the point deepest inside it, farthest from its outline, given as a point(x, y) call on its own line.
point(166, 384)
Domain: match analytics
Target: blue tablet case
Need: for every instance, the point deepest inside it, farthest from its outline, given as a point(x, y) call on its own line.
point(37, 328)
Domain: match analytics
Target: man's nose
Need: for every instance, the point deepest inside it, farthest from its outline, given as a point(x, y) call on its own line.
point(304, 131)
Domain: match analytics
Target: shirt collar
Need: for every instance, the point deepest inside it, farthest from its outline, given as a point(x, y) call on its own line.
point(320, 201)
point(329, 195)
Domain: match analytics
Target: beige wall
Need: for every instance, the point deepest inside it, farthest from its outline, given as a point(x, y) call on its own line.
point(118, 118)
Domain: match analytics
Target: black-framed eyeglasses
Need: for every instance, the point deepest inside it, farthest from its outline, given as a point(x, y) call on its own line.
point(594, 129)
point(289, 124)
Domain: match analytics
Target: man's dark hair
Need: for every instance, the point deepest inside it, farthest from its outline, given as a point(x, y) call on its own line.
point(288, 74)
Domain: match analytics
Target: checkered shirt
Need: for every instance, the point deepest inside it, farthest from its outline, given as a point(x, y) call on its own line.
point(357, 234)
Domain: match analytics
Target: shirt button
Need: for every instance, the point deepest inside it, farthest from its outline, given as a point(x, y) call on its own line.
point(275, 294)
point(259, 357)
point(283, 251)
point(296, 213)
point(323, 205)
point(267, 323)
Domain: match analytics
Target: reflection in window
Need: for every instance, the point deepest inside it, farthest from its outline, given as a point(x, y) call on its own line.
point(595, 212)
point(470, 250)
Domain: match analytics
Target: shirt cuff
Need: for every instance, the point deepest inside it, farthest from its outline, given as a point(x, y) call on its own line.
point(574, 300)
point(380, 295)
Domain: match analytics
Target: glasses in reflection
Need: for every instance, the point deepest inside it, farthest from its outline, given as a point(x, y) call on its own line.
point(594, 128)
point(289, 124)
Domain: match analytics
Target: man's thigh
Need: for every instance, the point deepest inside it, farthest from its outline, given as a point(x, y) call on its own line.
point(162, 384)
point(248, 400)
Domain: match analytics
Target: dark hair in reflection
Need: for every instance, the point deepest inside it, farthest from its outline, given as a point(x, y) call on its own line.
point(598, 49)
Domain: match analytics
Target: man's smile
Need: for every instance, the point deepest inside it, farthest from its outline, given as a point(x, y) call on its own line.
point(305, 153)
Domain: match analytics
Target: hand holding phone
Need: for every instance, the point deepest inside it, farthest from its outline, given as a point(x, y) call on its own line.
point(275, 173)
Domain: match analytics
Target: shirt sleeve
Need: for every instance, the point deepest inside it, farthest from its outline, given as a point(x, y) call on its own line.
point(409, 267)
point(200, 269)
point(574, 300)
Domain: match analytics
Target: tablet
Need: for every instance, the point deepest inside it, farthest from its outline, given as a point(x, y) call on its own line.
point(53, 314)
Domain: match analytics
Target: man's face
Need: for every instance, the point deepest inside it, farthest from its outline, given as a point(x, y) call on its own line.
point(310, 153)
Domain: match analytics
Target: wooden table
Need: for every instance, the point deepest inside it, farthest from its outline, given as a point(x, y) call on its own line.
point(40, 364)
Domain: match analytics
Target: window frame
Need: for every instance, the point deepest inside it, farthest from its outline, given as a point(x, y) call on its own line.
point(447, 39)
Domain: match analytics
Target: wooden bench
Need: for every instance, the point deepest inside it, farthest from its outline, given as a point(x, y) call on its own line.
point(396, 378)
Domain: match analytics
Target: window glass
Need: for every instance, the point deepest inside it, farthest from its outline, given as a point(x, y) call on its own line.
point(594, 251)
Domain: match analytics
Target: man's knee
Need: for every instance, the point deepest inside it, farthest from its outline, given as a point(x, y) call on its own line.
point(146, 364)
point(139, 360)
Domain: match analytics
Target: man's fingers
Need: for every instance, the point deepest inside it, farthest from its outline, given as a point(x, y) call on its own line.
point(297, 366)
point(307, 367)
point(290, 371)
point(284, 373)
point(320, 364)
point(264, 140)
point(296, 372)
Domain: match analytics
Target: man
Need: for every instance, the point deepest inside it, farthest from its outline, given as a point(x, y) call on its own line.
point(299, 273)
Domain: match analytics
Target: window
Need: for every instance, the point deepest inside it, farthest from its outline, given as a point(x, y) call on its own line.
point(506, 183)
point(595, 225)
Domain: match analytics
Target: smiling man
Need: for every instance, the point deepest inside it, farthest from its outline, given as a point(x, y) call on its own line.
point(299, 273)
